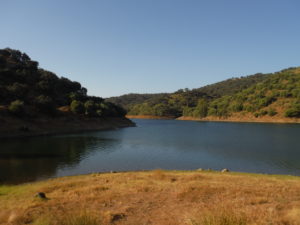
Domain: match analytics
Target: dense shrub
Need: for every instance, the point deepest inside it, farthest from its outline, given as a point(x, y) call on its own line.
point(45, 104)
point(272, 112)
point(294, 111)
point(77, 107)
point(90, 108)
point(236, 107)
point(16, 107)
point(263, 112)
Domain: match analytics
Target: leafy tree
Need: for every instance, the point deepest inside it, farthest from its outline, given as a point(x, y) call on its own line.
point(77, 107)
point(272, 112)
point(90, 108)
point(293, 111)
point(16, 107)
point(201, 109)
point(45, 104)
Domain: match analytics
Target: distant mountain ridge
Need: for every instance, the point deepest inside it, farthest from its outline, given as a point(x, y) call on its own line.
point(275, 95)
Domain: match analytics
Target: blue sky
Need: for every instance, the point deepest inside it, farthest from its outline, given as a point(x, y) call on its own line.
point(114, 47)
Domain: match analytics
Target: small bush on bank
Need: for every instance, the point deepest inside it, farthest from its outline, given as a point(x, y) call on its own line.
point(77, 107)
point(272, 112)
point(16, 107)
point(90, 108)
point(293, 111)
point(45, 104)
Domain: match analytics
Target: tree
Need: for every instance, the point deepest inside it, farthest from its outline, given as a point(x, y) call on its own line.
point(16, 107)
point(293, 111)
point(77, 107)
point(90, 108)
point(45, 104)
point(201, 109)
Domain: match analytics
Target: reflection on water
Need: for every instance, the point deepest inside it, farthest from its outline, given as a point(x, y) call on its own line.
point(263, 148)
point(30, 159)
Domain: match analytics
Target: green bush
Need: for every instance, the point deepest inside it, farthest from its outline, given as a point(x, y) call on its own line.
point(263, 112)
point(99, 112)
point(256, 114)
point(77, 107)
point(212, 111)
point(187, 111)
point(272, 112)
point(90, 108)
point(45, 104)
point(236, 107)
point(294, 111)
point(249, 108)
point(201, 109)
point(16, 107)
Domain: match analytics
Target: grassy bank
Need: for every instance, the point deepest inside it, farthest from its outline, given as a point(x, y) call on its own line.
point(155, 197)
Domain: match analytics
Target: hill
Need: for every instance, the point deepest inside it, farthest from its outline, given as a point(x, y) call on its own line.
point(273, 96)
point(29, 93)
point(277, 96)
point(232, 85)
point(128, 100)
point(155, 197)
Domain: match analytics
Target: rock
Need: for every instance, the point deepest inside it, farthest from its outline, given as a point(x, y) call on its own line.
point(200, 169)
point(41, 195)
point(173, 179)
point(116, 217)
point(225, 170)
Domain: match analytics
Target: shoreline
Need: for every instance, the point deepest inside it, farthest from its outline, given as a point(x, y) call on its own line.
point(150, 117)
point(278, 120)
point(57, 126)
point(241, 120)
point(107, 172)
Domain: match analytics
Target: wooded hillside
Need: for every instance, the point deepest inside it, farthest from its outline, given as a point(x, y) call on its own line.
point(256, 95)
point(29, 91)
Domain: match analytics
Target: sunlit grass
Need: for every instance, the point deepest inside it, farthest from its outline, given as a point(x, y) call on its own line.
point(155, 197)
point(221, 217)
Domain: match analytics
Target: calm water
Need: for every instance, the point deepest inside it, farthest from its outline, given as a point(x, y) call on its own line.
point(166, 144)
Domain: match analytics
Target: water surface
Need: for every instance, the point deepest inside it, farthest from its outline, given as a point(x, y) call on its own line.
point(166, 144)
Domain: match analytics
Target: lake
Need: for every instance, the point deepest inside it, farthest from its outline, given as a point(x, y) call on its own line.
point(153, 144)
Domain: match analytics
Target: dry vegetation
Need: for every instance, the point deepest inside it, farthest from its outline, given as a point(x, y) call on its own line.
point(155, 197)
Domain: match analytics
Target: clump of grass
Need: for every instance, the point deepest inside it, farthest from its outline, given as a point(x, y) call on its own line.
point(4, 190)
point(221, 217)
point(42, 221)
point(81, 219)
point(159, 174)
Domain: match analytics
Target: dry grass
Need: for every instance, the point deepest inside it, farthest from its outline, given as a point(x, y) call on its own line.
point(155, 197)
